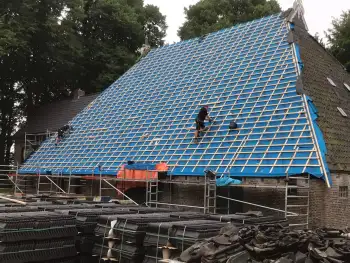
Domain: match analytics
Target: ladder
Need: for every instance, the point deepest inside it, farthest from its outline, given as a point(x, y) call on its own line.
point(297, 201)
point(210, 194)
point(152, 192)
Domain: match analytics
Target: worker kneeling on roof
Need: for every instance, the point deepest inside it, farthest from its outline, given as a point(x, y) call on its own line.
point(62, 131)
point(200, 126)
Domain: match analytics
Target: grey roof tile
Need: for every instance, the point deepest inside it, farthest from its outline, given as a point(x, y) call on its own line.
point(54, 115)
point(318, 66)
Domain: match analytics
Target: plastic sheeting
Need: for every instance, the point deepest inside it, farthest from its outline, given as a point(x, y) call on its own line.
point(226, 180)
point(319, 136)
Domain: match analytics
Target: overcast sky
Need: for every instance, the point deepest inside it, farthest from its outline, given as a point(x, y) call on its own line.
point(318, 13)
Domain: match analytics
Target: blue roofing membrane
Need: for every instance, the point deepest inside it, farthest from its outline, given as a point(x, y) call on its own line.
point(246, 73)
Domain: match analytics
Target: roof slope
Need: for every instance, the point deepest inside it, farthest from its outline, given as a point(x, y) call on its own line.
point(54, 115)
point(246, 73)
point(318, 66)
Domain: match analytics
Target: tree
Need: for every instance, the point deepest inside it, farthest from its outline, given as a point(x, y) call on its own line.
point(339, 39)
point(212, 15)
point(49, 48)
point(319, 39)
point(112, 33)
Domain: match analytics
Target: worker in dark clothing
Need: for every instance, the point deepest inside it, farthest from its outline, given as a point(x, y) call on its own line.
point(201, 117)
point(62, 131)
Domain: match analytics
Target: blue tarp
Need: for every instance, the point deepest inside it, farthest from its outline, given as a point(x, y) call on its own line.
point(141, 166)
point(319, 136)
point(226, 180)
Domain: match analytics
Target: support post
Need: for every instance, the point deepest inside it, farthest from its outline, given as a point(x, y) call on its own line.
point(286, 197)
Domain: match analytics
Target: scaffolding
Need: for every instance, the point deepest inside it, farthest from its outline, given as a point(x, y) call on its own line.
point(295, 189)
point(32, 142)
point(6, 171)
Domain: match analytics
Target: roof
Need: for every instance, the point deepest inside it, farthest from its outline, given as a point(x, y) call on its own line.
point(52, 116)
point(247, 73)
point(318, 66)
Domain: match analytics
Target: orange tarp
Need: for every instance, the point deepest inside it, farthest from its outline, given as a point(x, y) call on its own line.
point(142, 175)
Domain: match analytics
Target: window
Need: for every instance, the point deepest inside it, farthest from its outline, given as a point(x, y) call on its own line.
point(331, 82)
point(347, 86)
point(342, 112)
point(343, 191)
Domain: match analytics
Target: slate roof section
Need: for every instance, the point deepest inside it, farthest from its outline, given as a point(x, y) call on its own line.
point(318, 66)
point(246, 73)
point(54, 115)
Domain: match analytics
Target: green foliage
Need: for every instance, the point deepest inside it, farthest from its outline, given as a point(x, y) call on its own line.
point(212, 15)
point(339, 39)
point(49, 47)
point(319, 39)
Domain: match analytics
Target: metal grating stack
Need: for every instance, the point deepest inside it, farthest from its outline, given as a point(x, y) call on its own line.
point(247, 73)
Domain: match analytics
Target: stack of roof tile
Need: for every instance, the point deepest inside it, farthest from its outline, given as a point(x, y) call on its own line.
point(122, 236)
point(176, 236)
point(36, 236)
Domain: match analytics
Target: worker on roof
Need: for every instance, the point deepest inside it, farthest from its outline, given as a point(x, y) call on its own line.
point(61, 132)
point(201, 117)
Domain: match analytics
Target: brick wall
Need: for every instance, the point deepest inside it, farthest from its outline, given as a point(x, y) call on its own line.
point(337, 209)
point(266, 193)
point(327, 207)
point(318, 190)
point(184, 194)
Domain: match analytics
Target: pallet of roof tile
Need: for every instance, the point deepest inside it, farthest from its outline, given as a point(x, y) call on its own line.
point(87, 259)
point(185, 235)
point(17, 209)
point(132, 228)
point(35, 226)
point(180, 234)
point(159, 233)
point(86, 220)
point(63, 260)
point(155, 254)
point(40, 203)
point(65, 207)
point(148, 210)
point(36, 251)
point(121, 253)
point(266, 220)
point(106, 223)
point(112, 205)
point(229, 218)
point(85, 244)
point(188, 215)
point(127, 251)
